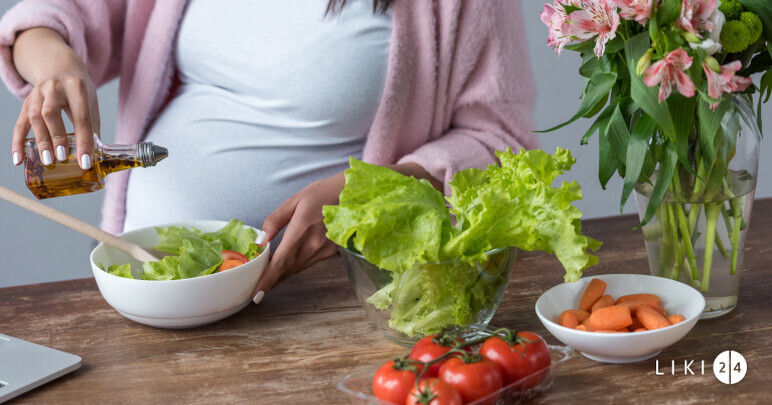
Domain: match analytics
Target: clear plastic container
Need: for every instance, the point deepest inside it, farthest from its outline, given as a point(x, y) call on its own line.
point(359, 386)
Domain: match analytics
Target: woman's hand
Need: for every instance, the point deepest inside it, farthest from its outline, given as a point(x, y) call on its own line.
point(305, 242)
point(60, 83)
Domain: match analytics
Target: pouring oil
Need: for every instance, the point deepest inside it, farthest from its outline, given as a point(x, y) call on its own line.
point(68, 178)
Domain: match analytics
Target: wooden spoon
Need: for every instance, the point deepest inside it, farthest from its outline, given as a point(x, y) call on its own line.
point(136, 251)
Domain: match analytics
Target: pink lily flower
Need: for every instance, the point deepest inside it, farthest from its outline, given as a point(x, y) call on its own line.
point(637, 10)
point(554, 17)
point(669, 73)
point(695, 16)
point(726, 81)
point(597, 17)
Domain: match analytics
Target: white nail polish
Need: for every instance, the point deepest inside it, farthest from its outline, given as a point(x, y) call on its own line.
point(258, 297)
point(61, 154)
point(16, 159)
point(85, 162)
point(260, 238)
point(47, 160)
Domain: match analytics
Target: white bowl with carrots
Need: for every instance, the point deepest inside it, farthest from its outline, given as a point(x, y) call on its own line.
point(176, 303)
point(620, 318)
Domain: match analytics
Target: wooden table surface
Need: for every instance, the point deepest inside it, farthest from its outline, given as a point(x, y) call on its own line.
point(311, 331)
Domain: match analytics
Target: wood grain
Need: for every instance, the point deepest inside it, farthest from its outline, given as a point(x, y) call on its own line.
point(311, 331)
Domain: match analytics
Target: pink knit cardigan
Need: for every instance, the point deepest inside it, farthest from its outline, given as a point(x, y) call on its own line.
point(458, 84)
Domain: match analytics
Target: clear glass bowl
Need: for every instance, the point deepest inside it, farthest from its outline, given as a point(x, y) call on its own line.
point(359, 386)
point(482, 291)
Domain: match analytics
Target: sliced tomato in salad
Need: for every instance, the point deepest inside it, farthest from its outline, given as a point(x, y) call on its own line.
point(229, 264)
point(233, 255)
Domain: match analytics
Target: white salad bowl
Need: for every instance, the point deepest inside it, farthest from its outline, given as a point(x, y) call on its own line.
point(677, 298)
point(175, 304)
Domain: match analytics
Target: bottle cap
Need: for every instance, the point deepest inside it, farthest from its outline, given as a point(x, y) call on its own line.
point(150, 154)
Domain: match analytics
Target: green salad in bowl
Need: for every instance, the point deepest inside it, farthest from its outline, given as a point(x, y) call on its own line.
point(437, 251)
point(195, 253)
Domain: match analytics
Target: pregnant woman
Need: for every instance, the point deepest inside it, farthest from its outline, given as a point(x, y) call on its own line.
point(261, 102)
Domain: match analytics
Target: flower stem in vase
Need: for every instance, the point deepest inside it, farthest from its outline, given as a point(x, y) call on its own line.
point(712, 211)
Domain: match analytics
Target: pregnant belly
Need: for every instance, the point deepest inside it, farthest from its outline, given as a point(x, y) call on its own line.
point(225, 168)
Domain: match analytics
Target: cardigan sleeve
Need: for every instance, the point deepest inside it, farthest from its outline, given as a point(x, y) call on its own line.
point(92, 28)
point(490, 92)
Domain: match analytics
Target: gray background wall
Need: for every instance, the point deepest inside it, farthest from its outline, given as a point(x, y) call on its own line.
point(36, 250)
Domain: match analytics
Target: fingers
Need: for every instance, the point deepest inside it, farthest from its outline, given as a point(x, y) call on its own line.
point(281, 261)
point(42, 112)
point(298, 250)
point(51, 111)
point(77, 92)
point(278, 219)
point(20, 131)
point(42, 136)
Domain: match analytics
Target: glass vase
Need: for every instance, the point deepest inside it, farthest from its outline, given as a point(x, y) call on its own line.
point(698, 232)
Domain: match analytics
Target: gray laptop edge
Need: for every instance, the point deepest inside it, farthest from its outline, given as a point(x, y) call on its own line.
point(25, 365)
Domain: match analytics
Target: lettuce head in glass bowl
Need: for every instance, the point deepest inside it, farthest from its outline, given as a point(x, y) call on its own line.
point(422, 263)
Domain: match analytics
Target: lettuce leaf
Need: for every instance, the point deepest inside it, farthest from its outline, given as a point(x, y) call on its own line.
point(394, 220)
point(120, 270)
point(514, 204)
point(194, 253)
point(404, 225)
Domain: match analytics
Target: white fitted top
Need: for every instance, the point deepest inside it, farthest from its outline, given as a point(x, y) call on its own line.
point(274, 96)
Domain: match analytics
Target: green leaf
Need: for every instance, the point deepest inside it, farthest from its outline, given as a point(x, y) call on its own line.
point(618, 135)
point(615, 45)
point(607, 159)
point(644, 96)
point(599, 88)
point(590, 65)
point(668, 12)
point(765, 90)
point(709, 124)
point(581, 47)
point(636, 154)
point(664, 176)
point(760, 63)
point(683, 108)
point(600, 122)
point(570, 9)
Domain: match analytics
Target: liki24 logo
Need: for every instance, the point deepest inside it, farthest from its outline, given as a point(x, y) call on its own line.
point(729, 367)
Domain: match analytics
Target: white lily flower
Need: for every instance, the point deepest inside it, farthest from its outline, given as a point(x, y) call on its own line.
point(712, 45)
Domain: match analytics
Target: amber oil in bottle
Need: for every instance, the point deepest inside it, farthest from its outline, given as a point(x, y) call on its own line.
point(68, 178)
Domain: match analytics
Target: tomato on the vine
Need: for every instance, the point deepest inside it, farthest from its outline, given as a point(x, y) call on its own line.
point(394, 379)
point(518, 357)
point(433, 391)
point(430, 348)
point(473, 376)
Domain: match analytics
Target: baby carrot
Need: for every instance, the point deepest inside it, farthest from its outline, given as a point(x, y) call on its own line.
point(613, 318)
point(633, 297)
point(636, 324)
point(580, 315)
point(582, 328)
point(586, 324)
point(662, 311)
point(651, 319)
point(675, 318)
point(568, 319)
point(592, 293)
point(640, 330)
point(635, 304)
point(603, 302)
point(607, 331)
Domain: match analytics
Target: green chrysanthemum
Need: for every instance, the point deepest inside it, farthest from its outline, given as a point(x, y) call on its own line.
point(732, 9)
point(735, 36)
point(754, 24)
